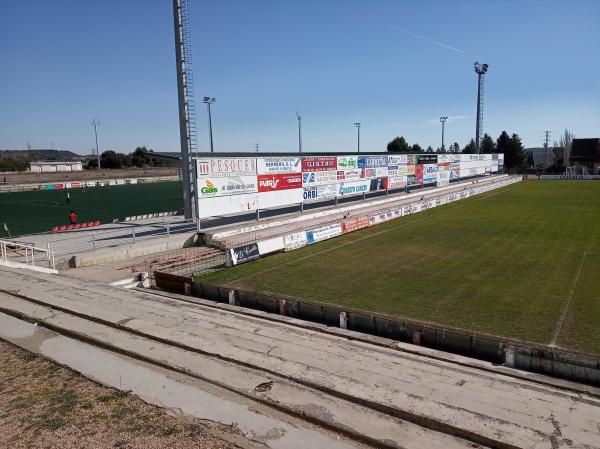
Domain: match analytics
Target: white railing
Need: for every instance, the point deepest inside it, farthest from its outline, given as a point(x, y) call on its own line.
point(24, 253)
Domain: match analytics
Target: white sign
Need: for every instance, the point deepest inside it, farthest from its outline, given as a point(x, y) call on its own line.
point(270, 245)
point(347, 162)
point(349, 175)
point(225, 167)
point(320, 192)
point(273, 165)
point(324, 233)
point(209, 187)
point(295, 241)
point(396, 182)
point(223, 205)
point(350, 188)
point(315, 178)
point(571, 177)
point(279, 198)
point(397, 160)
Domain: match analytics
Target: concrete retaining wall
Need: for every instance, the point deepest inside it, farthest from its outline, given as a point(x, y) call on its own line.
point(539, 359)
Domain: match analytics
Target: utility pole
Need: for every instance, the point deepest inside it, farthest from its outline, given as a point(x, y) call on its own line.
point(208, 101)
point(256, 146)
point(299, 117)
point(546, 150)
point(443, 120)
point(481, 70)
point(357, 124)
point(95, 124)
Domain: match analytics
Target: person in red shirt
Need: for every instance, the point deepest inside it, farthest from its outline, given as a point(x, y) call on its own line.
point(73, 217)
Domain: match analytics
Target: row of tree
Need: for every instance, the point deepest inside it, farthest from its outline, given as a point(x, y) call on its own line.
point(141, 157)
point(512, 147)
point(12, 164)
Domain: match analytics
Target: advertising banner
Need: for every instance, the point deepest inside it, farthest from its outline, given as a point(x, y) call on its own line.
point(349, 175)
point(316, 178)
point(444, 166)
point(270, 183)
point(410, 169)
point(411, 180)
point(270, 245)
point(225, 167)
point(392, 170)
point(294, 241)
point(352, 187)
point(377, 184)
point(443, 178)
point(372, 161)
point(318, 193)
point(571, 177)
point(319, 163)
point(427, 158)
point(376, 172)
point(222, 205)
point(277, 165)
point(226, 186)
point(443, 158)
point(347, 162)
point(411, 159)
point(396, 182)
point(323, 233)
point(277, 198)
point(244, 253)
point(354, 224)
point(419, 173)
point(400, 159)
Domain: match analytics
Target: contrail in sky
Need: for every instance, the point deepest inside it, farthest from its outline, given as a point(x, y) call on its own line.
point(410, 33)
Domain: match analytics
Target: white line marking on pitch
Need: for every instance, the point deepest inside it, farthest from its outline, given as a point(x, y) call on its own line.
point(561, 320)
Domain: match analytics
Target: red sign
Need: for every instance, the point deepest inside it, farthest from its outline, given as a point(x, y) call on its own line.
point(75, 185)
point(319, 163)
point(283, 181)
point(419, 173)
point(354, 224)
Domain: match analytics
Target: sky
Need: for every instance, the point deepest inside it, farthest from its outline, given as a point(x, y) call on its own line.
point(395, 66)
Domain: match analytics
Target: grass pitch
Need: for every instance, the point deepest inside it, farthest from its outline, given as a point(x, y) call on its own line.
point(39, 211)
point(521, 262)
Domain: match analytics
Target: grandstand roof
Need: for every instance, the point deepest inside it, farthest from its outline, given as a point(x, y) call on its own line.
point(585, 149)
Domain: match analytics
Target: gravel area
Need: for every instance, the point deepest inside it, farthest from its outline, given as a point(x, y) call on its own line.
point(44, 405)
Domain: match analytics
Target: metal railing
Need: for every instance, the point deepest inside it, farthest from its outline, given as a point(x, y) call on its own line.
point(24, 253)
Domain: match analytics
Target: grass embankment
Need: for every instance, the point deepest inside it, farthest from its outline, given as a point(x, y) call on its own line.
point(38, 211)
point(502, 263)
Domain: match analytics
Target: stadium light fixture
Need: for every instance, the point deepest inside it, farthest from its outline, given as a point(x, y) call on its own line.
point(357, 125)
point(481, 70)
point(208, 101)
point(443, 120)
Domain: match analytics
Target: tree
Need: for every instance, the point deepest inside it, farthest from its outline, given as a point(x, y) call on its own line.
point(514, 153)
point(111, 159)
point(12, 164)
point(470, 147)
point(565, 142)
point(487, 144)
point(530, 162)
point(141, 157)
point(429, 149)
point(398, 145)
point(455, 148)
point(416, 148)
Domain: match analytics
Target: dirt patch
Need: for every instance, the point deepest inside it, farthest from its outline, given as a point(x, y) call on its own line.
point(44, 405)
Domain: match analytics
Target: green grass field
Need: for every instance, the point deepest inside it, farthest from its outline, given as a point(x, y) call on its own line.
point(507, 263)
point(38, 211)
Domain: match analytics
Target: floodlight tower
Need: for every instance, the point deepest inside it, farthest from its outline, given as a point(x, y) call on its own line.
point(481, 70)
point(357, 125)
point(187, 107)
point(299, 118)
point(443, 120)
point(208, 101)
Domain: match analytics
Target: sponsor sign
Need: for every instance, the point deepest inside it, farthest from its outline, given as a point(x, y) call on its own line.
point(270, 183)
point(315, 178)
point(375, 172)
point(427, 158)
point(411, 159)
point(209, 187)
point(277, 165)
point(229, 204)
point(396, 182)
point(319, 163)
point(419, 173)
point(294, 241)
point(392, 170)
point(347, 162)
point(225, 167)
point(270, 245)
point(323, 233)
point(322, 192)
point(244, 253)
point(443, 158)
point(276, 198)
point(372, 161)
point(571, 177)
point(377, 184)
point(354, 224)
point(411, 180)
point(401, 159)
point(443, 178)
point(350, 188)
point(349, 175)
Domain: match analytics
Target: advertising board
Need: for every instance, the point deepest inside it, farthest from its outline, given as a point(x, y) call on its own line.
point(347, 162)
point(396, 182)
point(225, 167)
point(277, 165)
point(443, 178)
point(244, 253)
point(349, 175)
point(354, 224)
point(294, 241)
point(377, 184)
point(571, 177)
point(277, 198)
point(375, 172)
point(430, 173)
point(226, 186)
point(400, 159)
point(443, 158)
point(270, 245)
point(319, 163)
point(323, 233)
point(231, 204)
point(372, 161)
point(286, 181)
point(316, 178)
point(352, 187)
point(427, 158)
point(322, 192)
point(419, 173)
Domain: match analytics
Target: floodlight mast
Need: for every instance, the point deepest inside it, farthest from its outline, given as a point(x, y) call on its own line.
point(443, 120)
point(299, 118)
point(357, 125)
point(481, 70)
point(208, 101)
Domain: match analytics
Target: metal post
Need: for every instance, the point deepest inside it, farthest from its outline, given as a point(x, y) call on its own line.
point(133, 233)
point(357, 125)
point(209, 101)
point(95, 123)
point(443, 120)
point(478, 112)
point(257, 214)
point(169, 228)
point(94, 242)
point(299, 117)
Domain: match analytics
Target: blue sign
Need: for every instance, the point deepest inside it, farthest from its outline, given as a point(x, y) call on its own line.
point(372, 161)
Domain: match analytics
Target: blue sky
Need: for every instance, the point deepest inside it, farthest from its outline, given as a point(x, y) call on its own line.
point(336, 62)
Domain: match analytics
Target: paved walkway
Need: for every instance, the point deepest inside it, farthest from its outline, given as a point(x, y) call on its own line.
point(444, 398)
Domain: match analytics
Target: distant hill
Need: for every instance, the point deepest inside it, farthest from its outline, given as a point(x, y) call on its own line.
point(42, 155)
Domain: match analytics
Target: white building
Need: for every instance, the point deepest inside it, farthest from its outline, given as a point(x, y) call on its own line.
point(55, 166)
